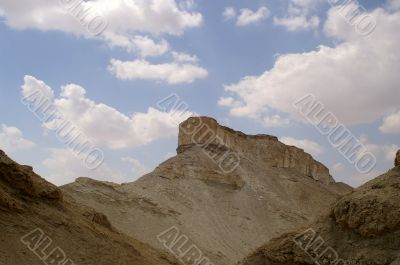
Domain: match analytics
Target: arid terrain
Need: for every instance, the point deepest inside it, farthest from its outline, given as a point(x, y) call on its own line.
point(264, 205)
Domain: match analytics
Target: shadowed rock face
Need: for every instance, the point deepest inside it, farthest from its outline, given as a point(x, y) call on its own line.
point(206, 132)
point(25, 181)
point(362, 228)
point(397, 160)
point(226, 214)
point(28, 203)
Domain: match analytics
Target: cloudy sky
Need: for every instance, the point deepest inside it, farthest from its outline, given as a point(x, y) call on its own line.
point(106, 64)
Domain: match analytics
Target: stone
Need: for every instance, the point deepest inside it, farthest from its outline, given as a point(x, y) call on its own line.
point(266, 149)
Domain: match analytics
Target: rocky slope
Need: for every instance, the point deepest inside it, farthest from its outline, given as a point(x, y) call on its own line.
point(226, 191)
point(40, 225)
point(362, 228)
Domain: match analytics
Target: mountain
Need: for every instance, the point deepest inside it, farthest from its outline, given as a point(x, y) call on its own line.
point(224, 194)
point(40, 224)
point(363, 227)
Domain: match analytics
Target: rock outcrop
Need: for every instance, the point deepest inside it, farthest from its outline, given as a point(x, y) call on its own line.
point(397, 160)
point(207, 133)
point(362, 228)
point(225, 208)
point(40, 225)
point(25, 181)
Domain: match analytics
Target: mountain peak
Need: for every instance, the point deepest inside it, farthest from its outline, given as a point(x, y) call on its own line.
point(207, 133)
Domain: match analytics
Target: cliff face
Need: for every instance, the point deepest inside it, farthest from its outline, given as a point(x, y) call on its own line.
point(268, 150)
point(227, 193)
point(34, 213)
point(363, 227)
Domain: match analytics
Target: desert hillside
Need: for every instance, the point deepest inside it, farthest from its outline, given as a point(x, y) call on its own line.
point(362, 228)
point(226, 211)
point(40, 224)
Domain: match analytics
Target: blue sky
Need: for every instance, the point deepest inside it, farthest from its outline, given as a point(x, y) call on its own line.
point(238, 61)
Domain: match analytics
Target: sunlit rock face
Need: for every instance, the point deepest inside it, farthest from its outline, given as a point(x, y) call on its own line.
point(266, 149)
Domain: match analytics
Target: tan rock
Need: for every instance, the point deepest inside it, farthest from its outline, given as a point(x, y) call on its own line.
point(363, 228)
point(27, 182)
point(225, 211)
point(30, 204)
point(266, 149)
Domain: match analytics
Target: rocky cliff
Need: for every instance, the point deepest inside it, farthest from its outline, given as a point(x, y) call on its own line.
point(227, 196)
point(362, 228)
point(41, 225)
point(266, 149)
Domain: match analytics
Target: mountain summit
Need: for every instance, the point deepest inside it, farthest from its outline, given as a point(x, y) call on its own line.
point(226, 191)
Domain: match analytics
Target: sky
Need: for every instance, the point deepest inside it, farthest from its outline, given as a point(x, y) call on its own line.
point(105, 65)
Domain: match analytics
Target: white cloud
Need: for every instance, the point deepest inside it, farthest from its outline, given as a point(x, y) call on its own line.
point(308, 146)
point(63, 167)
point(12, 140)
point(184, 57)
point(106, 126)
point(296, 23)
point(229, 13)
point(226, 102)
point(147, 47)
point(137, 167)
point(248, 16)
point(388, 152)
point(345, 78)
point(275, 121)
point(391, 124)
point(173, 73)
point(124, 18)
point(298, 16)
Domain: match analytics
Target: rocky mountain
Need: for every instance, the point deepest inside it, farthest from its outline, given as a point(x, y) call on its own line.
point(363, 227)
point(224, 193)
point(40, 224)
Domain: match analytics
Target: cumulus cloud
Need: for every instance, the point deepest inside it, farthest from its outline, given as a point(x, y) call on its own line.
point(12, 140)
point(104, 125)
point(184, 57)
point(295, 23)
point(123, 16)
point(387, 152)
point(148, 47)
point(308, 146)
point(248, 16)
point(357, 79)
point(172, 73)
point(299, 16)
point(122, 19)
point(391, 123)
